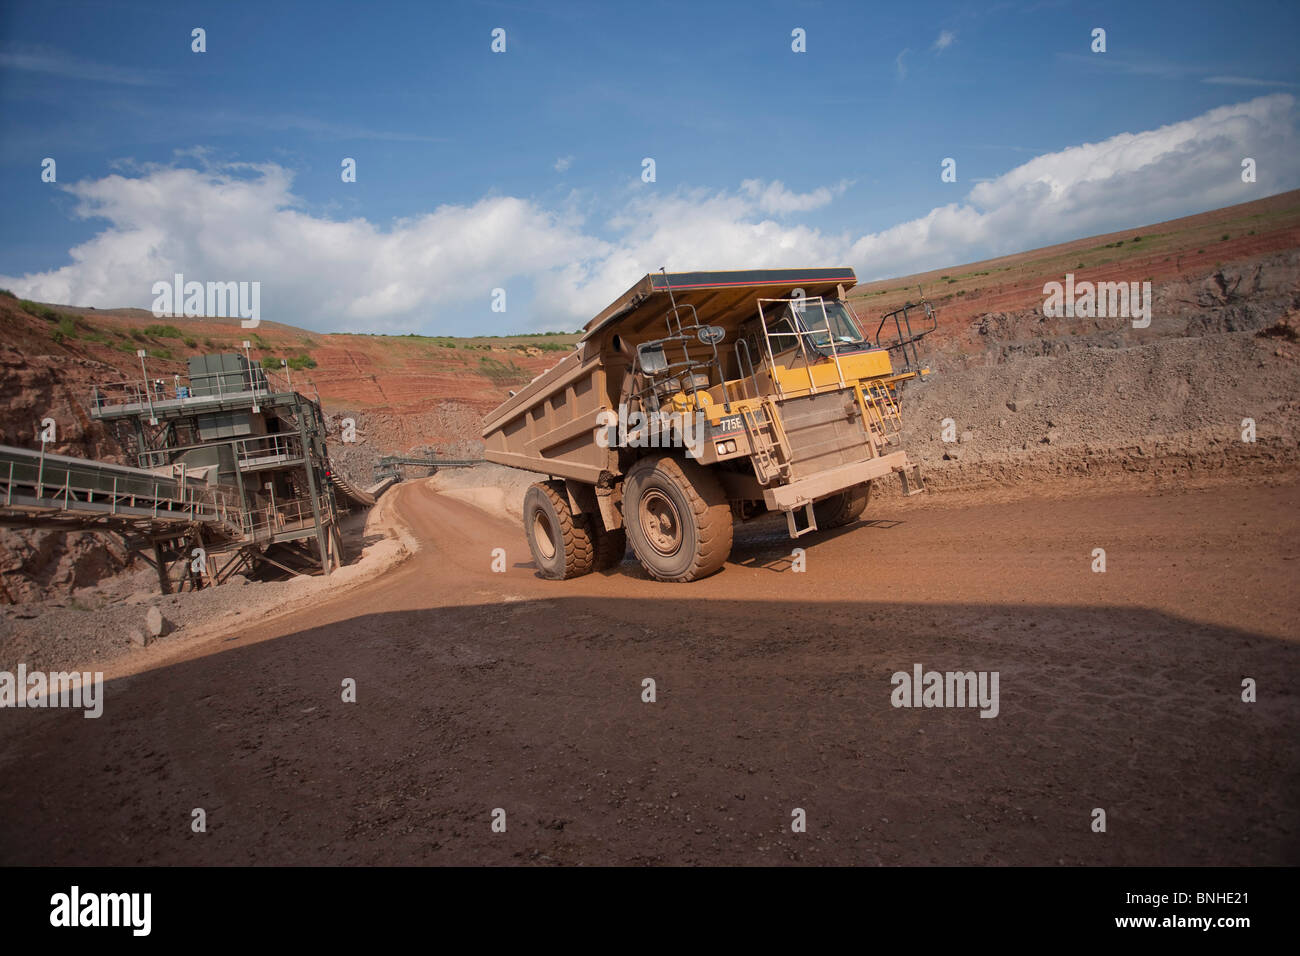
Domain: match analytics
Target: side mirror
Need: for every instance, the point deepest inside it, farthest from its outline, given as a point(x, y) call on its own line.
point(711, 334)
point(651, 357)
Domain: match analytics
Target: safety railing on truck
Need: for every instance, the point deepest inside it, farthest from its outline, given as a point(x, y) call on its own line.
point(904, 336)
point(804, 335)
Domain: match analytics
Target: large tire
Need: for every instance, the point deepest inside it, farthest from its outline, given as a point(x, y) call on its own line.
point(559, 540)
point(843, 508)
point(610, 546)
point(677, 518)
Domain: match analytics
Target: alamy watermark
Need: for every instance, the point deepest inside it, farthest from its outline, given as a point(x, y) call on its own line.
point(1086, 300)
point(210, 300)
point(948, 689)
point(82, 689)
point(661, 429)
point(75, 908)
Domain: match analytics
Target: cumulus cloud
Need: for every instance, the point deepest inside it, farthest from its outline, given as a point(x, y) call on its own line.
point(1129, 179)
point(690, 229)
point(435, 271)
point(235, 223)
point(563, 163)
point(774, 198)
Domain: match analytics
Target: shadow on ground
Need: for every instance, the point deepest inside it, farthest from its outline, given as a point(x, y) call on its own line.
point(762, 707)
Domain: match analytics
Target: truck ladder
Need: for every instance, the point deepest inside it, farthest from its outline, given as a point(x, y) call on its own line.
point(765, 442)
point(880, 405)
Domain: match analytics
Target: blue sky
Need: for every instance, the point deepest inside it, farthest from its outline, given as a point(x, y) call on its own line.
point(522, 170)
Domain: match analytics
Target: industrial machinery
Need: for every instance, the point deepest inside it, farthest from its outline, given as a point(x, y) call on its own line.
point(701, 398)
point(230, 462)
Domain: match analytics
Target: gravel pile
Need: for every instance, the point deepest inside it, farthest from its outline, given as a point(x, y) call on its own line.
point(96, 626)
point(110, 620)
point(1108, 398)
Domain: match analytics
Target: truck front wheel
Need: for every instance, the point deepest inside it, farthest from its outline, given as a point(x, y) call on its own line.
point(559, 540)
point(677, 518)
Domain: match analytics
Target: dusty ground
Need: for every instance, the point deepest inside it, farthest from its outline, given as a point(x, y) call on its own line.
point(479, 691)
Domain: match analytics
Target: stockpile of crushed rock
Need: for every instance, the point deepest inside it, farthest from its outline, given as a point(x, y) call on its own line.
point(1180, 397)
point(124, 612)
point(1027, 398)
point(100, 624)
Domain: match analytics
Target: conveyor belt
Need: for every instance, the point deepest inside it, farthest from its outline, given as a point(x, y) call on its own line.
point(38, 487)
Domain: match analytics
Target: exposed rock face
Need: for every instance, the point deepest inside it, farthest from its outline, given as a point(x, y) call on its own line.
point(34, 388)
point(36, 564)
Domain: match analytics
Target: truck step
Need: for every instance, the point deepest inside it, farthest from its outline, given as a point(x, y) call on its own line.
point(914, 486)
point(793, 523)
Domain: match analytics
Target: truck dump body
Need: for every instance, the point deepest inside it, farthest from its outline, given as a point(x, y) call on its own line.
point(760, 384)
point(548, 426)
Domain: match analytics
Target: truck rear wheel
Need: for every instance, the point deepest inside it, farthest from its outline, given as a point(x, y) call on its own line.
point(843, 508)
point(559, 540)
point(609, 546)
point(677, 518)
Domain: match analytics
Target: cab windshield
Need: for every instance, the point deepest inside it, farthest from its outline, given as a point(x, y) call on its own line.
point(824, 319)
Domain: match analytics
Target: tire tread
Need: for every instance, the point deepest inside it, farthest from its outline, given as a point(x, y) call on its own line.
point(709, 506)
point(579, 551)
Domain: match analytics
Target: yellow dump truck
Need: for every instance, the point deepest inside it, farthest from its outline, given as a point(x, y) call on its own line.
point(702, 398)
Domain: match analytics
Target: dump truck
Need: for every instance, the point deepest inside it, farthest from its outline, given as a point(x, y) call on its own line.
point(700, 399)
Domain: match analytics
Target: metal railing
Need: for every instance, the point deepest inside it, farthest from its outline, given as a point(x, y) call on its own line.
point(187, 390)
point(267, 449)
point(282, 516)
point(34, 483)
point(692, 375)
point(805, 338)
point(35, 480)
point(905, 337)
point(248, 452)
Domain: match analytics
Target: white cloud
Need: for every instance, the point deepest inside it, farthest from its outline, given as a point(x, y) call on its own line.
point(58, 63)
point(945, 39)
point(774, 198)
point(563, 163)
point(898, 62)
point(691, 229)
point(1128, 180)
point(234, 223)
point(435, 271)
point(1243, 81)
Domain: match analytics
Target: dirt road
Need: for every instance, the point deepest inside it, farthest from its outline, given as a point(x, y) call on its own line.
point(479, 690)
